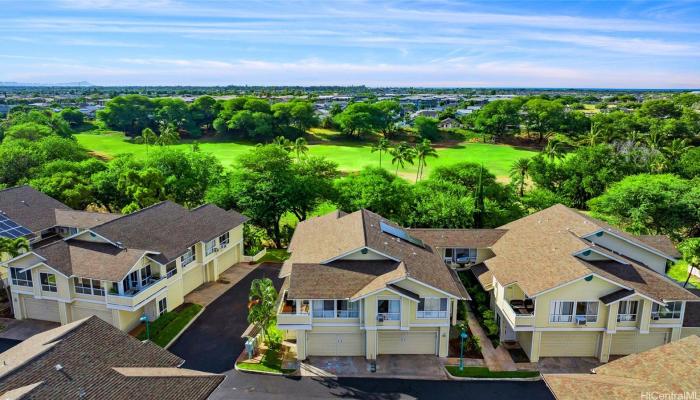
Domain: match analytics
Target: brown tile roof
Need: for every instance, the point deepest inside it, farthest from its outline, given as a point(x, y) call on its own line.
point(691, 316)
point(101, 361)
point(458, 238)
point(29, 207)
point(671, 368)
point(483, 275)
point(320, 239)
point(537, 251)
point(336, 280)
point(169, 228)
point(82, 219)
point(89, 259)
point(661, 243)
point(615, 296)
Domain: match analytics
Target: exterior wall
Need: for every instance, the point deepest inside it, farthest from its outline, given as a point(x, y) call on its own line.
point(687, 331)
point(525, 340)
point(483, 255)
point(371, 255)
point(634, 252)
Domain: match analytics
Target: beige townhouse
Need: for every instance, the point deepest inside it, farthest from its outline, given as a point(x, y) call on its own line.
point(115, 267)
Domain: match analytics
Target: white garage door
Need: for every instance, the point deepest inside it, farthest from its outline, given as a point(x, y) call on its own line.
point(569, 344)
point(624, 343)
point(407, 342)
point(45, 310)
point(80, 313)
point(336, 344)
point(650, 340)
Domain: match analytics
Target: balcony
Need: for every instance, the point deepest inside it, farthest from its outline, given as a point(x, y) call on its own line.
point(388, 316)
point(518, 312)
point(432, 314)
point(134, 298)
point(293, 312)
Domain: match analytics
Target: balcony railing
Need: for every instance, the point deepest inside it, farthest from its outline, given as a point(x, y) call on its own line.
point(388, 316)
point(133, 297)
point(348, 313)
point(626, 317)
point(432, 314)
point(287, 308)
point(323, 313)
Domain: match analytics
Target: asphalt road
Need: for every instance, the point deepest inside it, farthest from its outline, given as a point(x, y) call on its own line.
point(213, 342)
point(6, 344)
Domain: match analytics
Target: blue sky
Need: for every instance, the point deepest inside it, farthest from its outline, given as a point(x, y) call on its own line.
point(635, 44)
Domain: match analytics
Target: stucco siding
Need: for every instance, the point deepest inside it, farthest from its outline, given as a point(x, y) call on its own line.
point(580, 290)
point(634, 252)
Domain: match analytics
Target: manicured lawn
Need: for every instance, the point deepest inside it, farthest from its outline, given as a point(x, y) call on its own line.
point(679, 272)
point(168, 325)
point(274, 255)
point(270, 362)
point(483, 372)
point(350, 156)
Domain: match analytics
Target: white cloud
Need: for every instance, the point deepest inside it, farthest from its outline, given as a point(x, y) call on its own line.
point(621, 44)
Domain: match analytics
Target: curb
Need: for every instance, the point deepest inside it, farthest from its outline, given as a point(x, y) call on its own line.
point(173, 340)
point(248, 371)
point(460, 378)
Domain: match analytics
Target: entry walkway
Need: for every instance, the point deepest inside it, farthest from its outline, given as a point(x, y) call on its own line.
point(496, 359)
point(210, 291)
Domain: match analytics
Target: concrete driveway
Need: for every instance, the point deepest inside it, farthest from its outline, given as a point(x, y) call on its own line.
point(213, 341)
point(567, 365)
point(388, 366)
point(23, 329)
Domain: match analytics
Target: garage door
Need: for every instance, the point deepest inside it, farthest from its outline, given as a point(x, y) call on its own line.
point(80, 313)
point(624, 343)
point(569, 344)
point(336, 344)
point(407, 342)
point(192, 278)
point(45, 310)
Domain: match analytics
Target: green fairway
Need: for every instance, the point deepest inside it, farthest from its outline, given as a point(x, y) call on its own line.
point(349, 156)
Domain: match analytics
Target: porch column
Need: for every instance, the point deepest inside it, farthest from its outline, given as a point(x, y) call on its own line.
point(645, 318)
point(64, 312)
point(611, 326)
point(605, 343)
point(444, 341)
point(455, 304)
point(120, 287)
point(301, 344)
point(535, 352)
point(675, 334)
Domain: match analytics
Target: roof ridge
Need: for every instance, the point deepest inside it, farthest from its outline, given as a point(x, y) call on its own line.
point(364, 227)
point(16, 187)
point(160, 203)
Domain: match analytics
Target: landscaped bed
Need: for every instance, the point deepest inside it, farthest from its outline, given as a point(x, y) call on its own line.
point(679, 272)
point(274, 255)
point(168, 325)
point(483, 372)
point(270, 362)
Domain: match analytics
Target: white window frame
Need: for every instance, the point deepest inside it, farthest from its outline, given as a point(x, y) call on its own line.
point(21, 278)
point(146, 275)
point(590, 318)
point(572, 318)
point(162, 306)
point(188, 257)
point(172, 272)
point(352, 310)
point(95, 286)
point(48, 286)
point(224, 240)
point(675, 310)
point(323, 312)
point(390, 316)
point(623, 311)
point(433, 314)
point(210, 247)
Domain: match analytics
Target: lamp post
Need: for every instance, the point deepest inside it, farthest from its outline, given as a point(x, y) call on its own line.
point(462, 337)
point(144, 318)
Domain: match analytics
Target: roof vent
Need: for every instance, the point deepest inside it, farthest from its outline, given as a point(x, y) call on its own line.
point(58, 367)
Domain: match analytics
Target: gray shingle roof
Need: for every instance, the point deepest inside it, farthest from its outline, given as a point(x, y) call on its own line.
point(458, 238)
point(101, 361)
point(29, 207)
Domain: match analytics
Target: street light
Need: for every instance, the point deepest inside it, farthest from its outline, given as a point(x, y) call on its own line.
point(144, 318)
point(462, 336)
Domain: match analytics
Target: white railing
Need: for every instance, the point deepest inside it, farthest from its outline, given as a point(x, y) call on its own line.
point(626, 317)
point(432, 314)
point(323, 313)
point(348, 313)
point(389, 316)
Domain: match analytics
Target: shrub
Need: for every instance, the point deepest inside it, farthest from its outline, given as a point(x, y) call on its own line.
point(473, 343)
point(275, 337)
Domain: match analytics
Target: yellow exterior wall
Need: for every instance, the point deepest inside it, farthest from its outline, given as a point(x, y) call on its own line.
point(687, 331)
point(634, 252)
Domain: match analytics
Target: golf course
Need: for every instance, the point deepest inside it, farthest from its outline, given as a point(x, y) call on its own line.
point(350, 156)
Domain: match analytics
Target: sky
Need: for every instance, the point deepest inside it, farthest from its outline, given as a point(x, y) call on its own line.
point(439, 43)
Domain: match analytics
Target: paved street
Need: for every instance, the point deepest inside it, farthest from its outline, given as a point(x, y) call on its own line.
point(213, 342)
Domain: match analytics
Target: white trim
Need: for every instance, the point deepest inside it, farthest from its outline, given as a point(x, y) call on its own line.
point(666, 325)
point(31, 293)
point(355, 251)
point(626, 328)
point(572, 329)
point(94, 233)
point(408, 278)
point(428, 325)
point(135, 307)
point(379, 290)
point(576, 280)
point(58, 299)
point(336, 324)
point(26, 253)
point(635, 243)
point(47, 266)
point(80, 299)
point(294, 327)
point(131, 269)
point(593, 249)
point(573, 311)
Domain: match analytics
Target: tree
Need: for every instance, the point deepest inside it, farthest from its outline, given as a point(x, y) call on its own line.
point(552, 150)
point(402, 154)
point(68, 181)
point(148, 137)
point(284, 143)
point(674, 151)
point(168, 135)
point(519, 173)
point(300, 147)
point(13, 247)
point(689, 163)
point(359, 119)
point(441, 205)
point(390, 115)
point(498, 118)
point(299, 114)
point(144, 187)
point(313, 184)
point(427, 128)
point(72, 116)
point(261, 306)
point(204, 110)
point(173, 112)
point(543, 116)
point(690, 248)
point(423, 150)
point(660, 108)
point(381, 146)
point(479, 203)
point(29, 131)
point(130, 113)
point(651, 204)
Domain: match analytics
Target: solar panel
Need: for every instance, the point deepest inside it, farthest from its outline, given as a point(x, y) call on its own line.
point(401, 234)
point(11, 229)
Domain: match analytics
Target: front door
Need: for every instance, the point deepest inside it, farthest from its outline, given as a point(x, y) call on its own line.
point(506, 333)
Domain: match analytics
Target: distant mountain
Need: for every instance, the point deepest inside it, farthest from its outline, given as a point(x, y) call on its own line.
point(65, 84)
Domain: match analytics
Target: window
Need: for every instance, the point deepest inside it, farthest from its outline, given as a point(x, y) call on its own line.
point(627, 311)
point(323, 309)
point(587, 310)
point(20, 277)
point(146, 275)
point(432, 308)
point(224, 240)
point(188, 257)
point(48, 282)
point(562, 311)
point(347, 309)
point(389, 310)
point(448, 253)
point(171, 269)
point(162, 306)
point(209, 247)
point(88, 286)
point(465, 256)
point(672, 310)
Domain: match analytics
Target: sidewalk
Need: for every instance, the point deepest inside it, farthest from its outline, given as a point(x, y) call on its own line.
point(210, 291)
point(496, 359)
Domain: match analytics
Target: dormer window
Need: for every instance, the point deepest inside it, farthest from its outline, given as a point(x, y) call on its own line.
point(188, 257)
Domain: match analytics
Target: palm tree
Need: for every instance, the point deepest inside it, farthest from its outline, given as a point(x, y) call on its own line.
point(13, 247)
point(551, 151)
point(654, 139)
point(300, 147)
point(283, 142)
point(519, 172)
point(422, 151)
point(261, 305)
point(168, 135)
point(593, 136)
point(148, 137)
point(675, 149)
point(402, 154)
point(381, 147)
